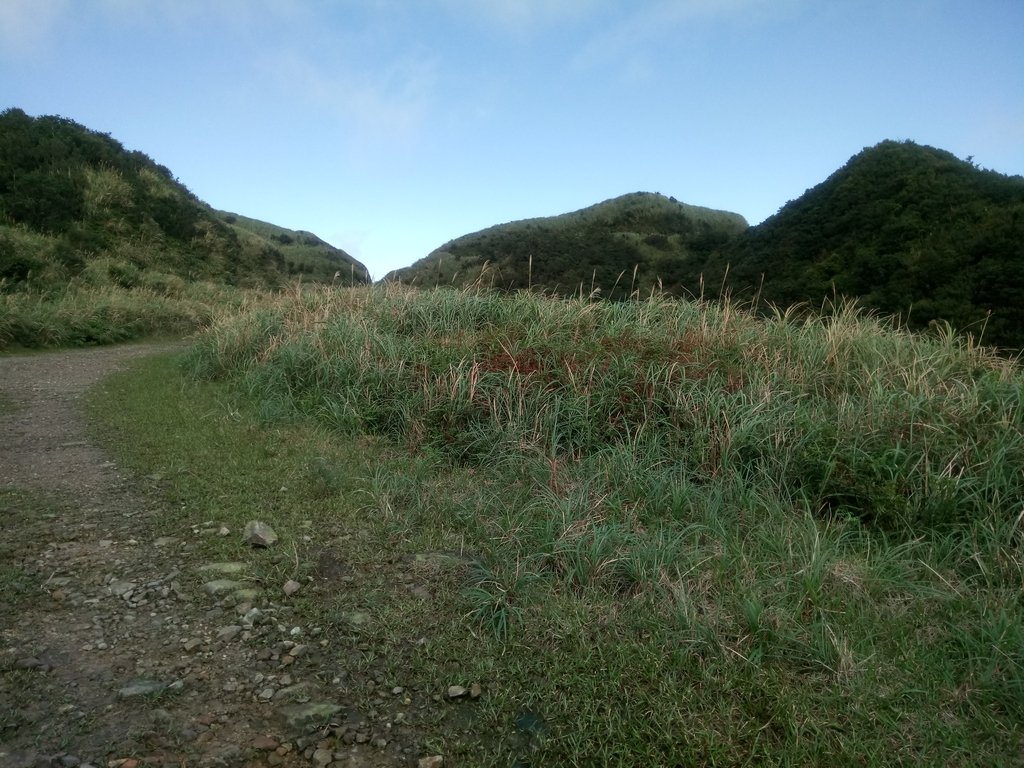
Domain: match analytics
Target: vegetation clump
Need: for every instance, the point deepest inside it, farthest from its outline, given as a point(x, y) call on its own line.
point(697, 536)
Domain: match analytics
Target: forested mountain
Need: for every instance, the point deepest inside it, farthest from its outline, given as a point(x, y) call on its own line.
point(597, 247)
point(71, 197)
point(907, 229)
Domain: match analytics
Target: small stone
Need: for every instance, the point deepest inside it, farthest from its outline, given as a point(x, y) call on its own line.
point(220, 586)
point(223, 568)
point(267, 694)
point(140, 688)
point(229, 632)
point(434, 761)
point(291, 587)
point(165, 541)
point(259, 534)
point(456, 691)
point(192, 644)
point(223, 531)
point(265, 743)
point(475, 691)
point(120, 588)
point(246, 594)
point(299, 716)
point(298, 693)
point(322, 757)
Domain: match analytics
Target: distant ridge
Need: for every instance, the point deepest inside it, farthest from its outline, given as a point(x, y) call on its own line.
point(630, 243)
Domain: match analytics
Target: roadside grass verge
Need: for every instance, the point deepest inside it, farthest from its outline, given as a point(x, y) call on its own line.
point(85, 314)
point(656, 532)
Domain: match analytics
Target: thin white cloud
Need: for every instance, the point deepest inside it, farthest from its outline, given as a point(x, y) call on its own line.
point(523, 16)
point(389, 102)
point(26, 26)
point(654, 21)
point(228, 15)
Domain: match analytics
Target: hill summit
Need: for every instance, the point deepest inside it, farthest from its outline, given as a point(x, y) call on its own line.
point(71, 197)
point(908, 230)
point(632, 242)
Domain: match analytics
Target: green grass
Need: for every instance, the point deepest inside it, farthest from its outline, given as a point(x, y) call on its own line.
point(656, 532)
point(88, 313)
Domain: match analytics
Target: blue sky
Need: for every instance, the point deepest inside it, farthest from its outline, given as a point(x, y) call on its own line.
point(388, 127)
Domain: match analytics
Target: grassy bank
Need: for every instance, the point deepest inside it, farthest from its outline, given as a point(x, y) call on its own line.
point(678, 535)
point(90, 313)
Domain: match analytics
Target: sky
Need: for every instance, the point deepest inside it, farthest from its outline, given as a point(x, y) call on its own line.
point(389, 127)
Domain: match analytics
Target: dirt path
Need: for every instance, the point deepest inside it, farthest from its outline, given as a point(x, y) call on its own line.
point(106, 659)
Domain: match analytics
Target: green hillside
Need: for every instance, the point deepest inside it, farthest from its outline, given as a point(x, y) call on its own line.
point(908, 230)
point(304, 253)
point(74, 200)
point(633, 242)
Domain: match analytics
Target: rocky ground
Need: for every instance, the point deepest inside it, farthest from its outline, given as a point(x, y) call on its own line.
point(120, 647)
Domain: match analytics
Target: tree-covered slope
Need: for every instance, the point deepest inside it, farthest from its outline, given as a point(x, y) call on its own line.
point(597, 247)
point(71, 197)
point(909, 230)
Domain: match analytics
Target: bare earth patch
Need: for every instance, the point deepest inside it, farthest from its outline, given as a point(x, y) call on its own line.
point(109, 654)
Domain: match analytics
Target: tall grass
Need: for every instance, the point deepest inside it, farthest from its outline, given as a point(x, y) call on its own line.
point(839, 416)
point(105, 312)
point(769, 538)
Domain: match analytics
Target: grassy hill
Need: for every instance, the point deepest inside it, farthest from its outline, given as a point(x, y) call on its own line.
point(72, 199)
point(101, 244)
point(908, 230)
point(304, 253)
point(597, 247)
